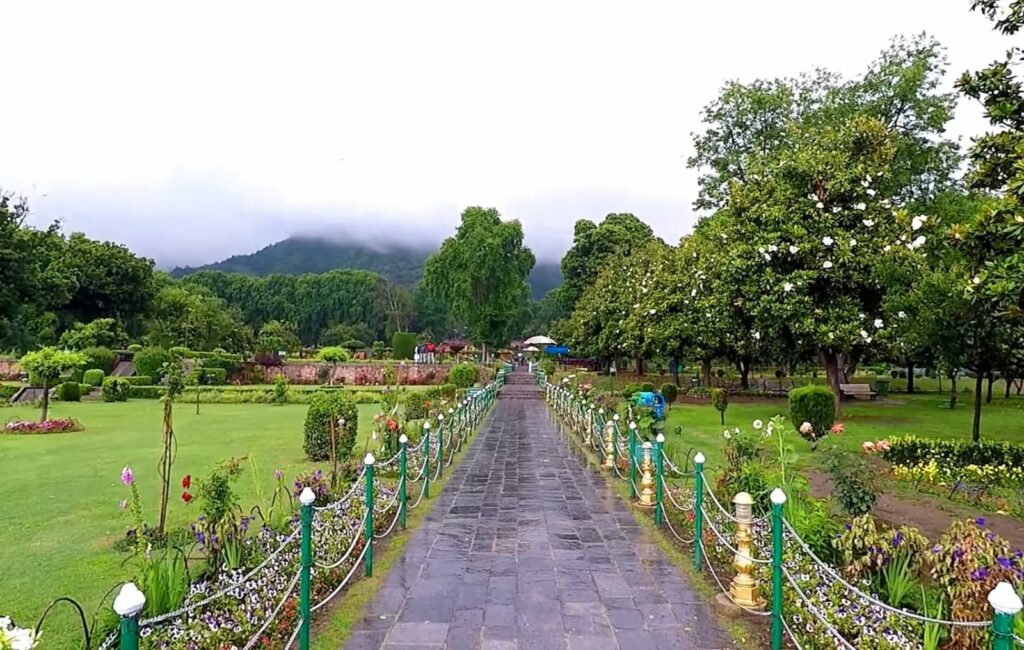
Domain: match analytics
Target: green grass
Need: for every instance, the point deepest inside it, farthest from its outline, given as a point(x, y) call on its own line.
point(865, 420)
point(60, 492)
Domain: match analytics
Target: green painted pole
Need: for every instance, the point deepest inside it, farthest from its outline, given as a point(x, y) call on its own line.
point(659, 469)
point(426, 459)
point(698, 512)
point(368, 562)
point(440, 444)
point(632, 460)
point(306, 499)
point(778, 498)
point(403, 496)
point(128, 604)
point(615, 442)
point(1007, 605)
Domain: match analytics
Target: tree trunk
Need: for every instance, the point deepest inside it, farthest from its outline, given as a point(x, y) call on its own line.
point(46, 400)
point(991, 380)
point(640, 367)
point(705, 373)
point(165, 463)
point(675, 371)
point(952, 389)
point(976, 426)
point(1006, 387)
point(834, 377)
point(743, 365)
point(910, 376)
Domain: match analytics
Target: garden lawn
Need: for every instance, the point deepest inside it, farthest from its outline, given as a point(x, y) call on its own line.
point(919, 415)
point(59, 515)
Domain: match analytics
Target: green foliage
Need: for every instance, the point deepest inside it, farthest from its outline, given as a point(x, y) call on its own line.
point(150, 361)
point(720, 400)
point(211, 376)
point(403, 345)
point(464, 375)
point(854, 482)
point(134, 347)
point(99, 358)
point(324, 407)
point(646, 387)
point(280, 389)
point(333, 355)
point(179, 352)
point(191, 316)
point(815, 404)
point(69, 391)
point(812, 519)
point(595, 245)
point(93, 377)
point(116, 389)
point(629, 390)
point(670, 392)
point(102, 332)
point(911, 450)
point(48, 364)
point(164, 579)
point(353, 345)
point(146, 392)
point(548, 366)
point(415, 406)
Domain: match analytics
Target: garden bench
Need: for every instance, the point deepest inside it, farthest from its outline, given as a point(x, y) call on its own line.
point(857, 390)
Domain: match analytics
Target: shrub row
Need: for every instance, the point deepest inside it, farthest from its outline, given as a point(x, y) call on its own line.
point(251, 396)
point(116, 389)
point(911, 450)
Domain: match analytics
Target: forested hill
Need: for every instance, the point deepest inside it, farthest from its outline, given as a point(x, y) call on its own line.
point(297, 255)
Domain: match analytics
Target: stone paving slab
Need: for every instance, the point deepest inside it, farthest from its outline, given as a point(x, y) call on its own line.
point(526, 548)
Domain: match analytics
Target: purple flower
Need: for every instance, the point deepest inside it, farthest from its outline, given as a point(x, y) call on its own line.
point(127, 477)
point(898, 539)
point(278, 474)
point(1005, 562)
point(957, 554)
point(980, 574)
point(980, 521)
point(936, 549)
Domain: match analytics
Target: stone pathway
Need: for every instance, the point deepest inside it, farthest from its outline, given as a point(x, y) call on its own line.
point(528, 548)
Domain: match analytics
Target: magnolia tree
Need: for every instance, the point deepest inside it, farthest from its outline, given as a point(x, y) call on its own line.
point(47, 365)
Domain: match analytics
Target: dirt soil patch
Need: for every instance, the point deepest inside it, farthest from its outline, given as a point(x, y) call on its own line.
point(928, 514)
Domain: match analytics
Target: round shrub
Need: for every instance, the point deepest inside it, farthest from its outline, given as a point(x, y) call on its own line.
point(447, 391)
point(403, 345)
point(670, 392)
point(69, 391)
point(150, 361)
point(324, 407)
point(93, 377)
point(96, 359)
point(815, 404)
point(548, 366)
point(646, 387)
point(415, 405)
point(134, 347)
point(630, 390)
point(116, 389)
point(464, 375)
point(215, 376)
point(720, 400)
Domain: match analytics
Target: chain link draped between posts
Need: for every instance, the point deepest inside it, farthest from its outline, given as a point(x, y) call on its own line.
point(580, 419)
point(448, 440)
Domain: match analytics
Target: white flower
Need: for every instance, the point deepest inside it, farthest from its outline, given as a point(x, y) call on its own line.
point(644, 289)
point(787, 287)
point(828, 241)
point(879, 323)
point(918, 241)
point(916, 223)
point(860, 316)
point(806, 428)
point(861, 206)
point(976, 280)
point(869, 222)
point(866, 181)
point(794, 249)
point(853, 242)
point(827, 264)
point(887, 248)
point(757, 336)
point(864, 335)
point(819, 205)
point(836, 210)
point(723, 235)
point(653, 312)
point(726, 434)
point(760, 249)
point(871, 192)
point(902, 314)
point(758, 424)
point(693, 292)
point(767, 257)
point(772, 248)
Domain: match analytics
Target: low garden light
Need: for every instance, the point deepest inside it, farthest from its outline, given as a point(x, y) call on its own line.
point(744, 588)
point(647, 475)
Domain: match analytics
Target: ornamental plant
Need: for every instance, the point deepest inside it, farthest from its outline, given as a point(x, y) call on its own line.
point(815, 405)
point(670, 392)
point(13, 637)
point(48, 426)
point(116, 389)
point(464, 375)
point(854, 482)
point(323, 408)
point(48, 364)
point(720, 400)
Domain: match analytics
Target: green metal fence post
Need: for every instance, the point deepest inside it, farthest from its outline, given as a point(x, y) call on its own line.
point(698, 512)
point(306, 498)
point(426, 459)
point(368, 563)
point(403, 496)
point(1006, 604)
point(440, 444)
point(659, 469)
point(778, 498)
point(128, 603)
point(632, 460)
point(615, 443)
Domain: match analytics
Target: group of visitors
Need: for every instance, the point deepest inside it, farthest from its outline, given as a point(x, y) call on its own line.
point(426, 353)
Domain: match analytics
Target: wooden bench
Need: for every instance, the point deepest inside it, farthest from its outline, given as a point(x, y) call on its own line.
point(857, 390)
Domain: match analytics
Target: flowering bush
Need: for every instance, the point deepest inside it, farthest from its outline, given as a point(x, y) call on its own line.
point(66, 425)
point(13, 637)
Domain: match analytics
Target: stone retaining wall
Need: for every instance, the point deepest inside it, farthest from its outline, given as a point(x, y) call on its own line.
point(9, 370)
point(360, 374)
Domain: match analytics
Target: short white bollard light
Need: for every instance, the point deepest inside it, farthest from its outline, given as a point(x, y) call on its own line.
point(1006, 604)
point(128, 604)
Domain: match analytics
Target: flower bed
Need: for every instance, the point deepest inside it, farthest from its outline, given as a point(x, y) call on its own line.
point(67, 425)
point(13, 637)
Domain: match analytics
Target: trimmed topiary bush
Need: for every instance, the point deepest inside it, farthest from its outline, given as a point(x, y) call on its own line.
point(815, 404)
point(116, 389)
point(69, 391)
point(464, 375)
point(720, 400)
point(180, 352)
point(150, 361)
point(646, 387)
point(93, 377)
point(140, 380)
point(146, 392)
point(134, 347)
point(324, 407)
point(403, 345)
point(96, 359)
point(215, 376)
point(670, 392)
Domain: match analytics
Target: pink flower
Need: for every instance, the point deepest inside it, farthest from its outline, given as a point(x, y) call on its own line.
point(278, 474)
point(882, 445)
point(867, 446)
point(806, 428)
point(127, 477)
point(838, 428)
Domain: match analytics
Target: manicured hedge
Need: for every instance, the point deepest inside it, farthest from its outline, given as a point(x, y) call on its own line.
point(93, 377)
point(910, 450)
point(670, 392)
point(150, 361)
point(140, 380)
point(69, 391)
point(116, 389)
point(323, 408)
point(415, 406)
point(146, 392)
point(464, 375)
point(403, 345)
point(815, 404)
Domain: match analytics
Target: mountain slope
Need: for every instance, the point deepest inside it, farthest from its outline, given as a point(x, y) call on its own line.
point(297, 255)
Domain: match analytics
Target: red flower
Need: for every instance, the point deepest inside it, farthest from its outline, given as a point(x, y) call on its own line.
point(426, 404)
point(392, 425)
point(186, 482)
point(186, 497)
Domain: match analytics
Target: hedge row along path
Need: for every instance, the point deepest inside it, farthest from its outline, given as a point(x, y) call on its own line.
point(526, 548)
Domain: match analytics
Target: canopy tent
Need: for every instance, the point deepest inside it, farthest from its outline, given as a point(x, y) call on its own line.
point(539, 340)
point(556, 349)
point(530, 349)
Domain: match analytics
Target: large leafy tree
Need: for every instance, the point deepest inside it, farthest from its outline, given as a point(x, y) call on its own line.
point(481, 272)
point(618, 235)
point(48, 364)
point(191, 316)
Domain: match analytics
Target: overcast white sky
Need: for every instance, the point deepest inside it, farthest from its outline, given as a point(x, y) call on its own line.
point(201, 129)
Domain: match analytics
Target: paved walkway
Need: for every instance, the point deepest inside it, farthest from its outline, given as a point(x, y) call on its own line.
point(528, 548)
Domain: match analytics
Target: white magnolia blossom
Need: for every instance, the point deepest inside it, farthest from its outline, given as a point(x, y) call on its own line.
point(772, 248)
point(836, 210)
point(902, 314)
point(653, 312)
point(871, 192)
point(869, 222)
point(757, 336)
point(860, 316)
point(760, 249)
point(976, 280)
point(828, 241)
point(787, 287)
point(794, 249)
point(853, 242)
point(887, 248)
point(879, 323)
point(827, 264)
point(767, 257)
point(916, 223)
point(918, 242)
point(864, 335)
point(866, 181)
point(861, 206)
point(693, 292)
point(819, 205)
